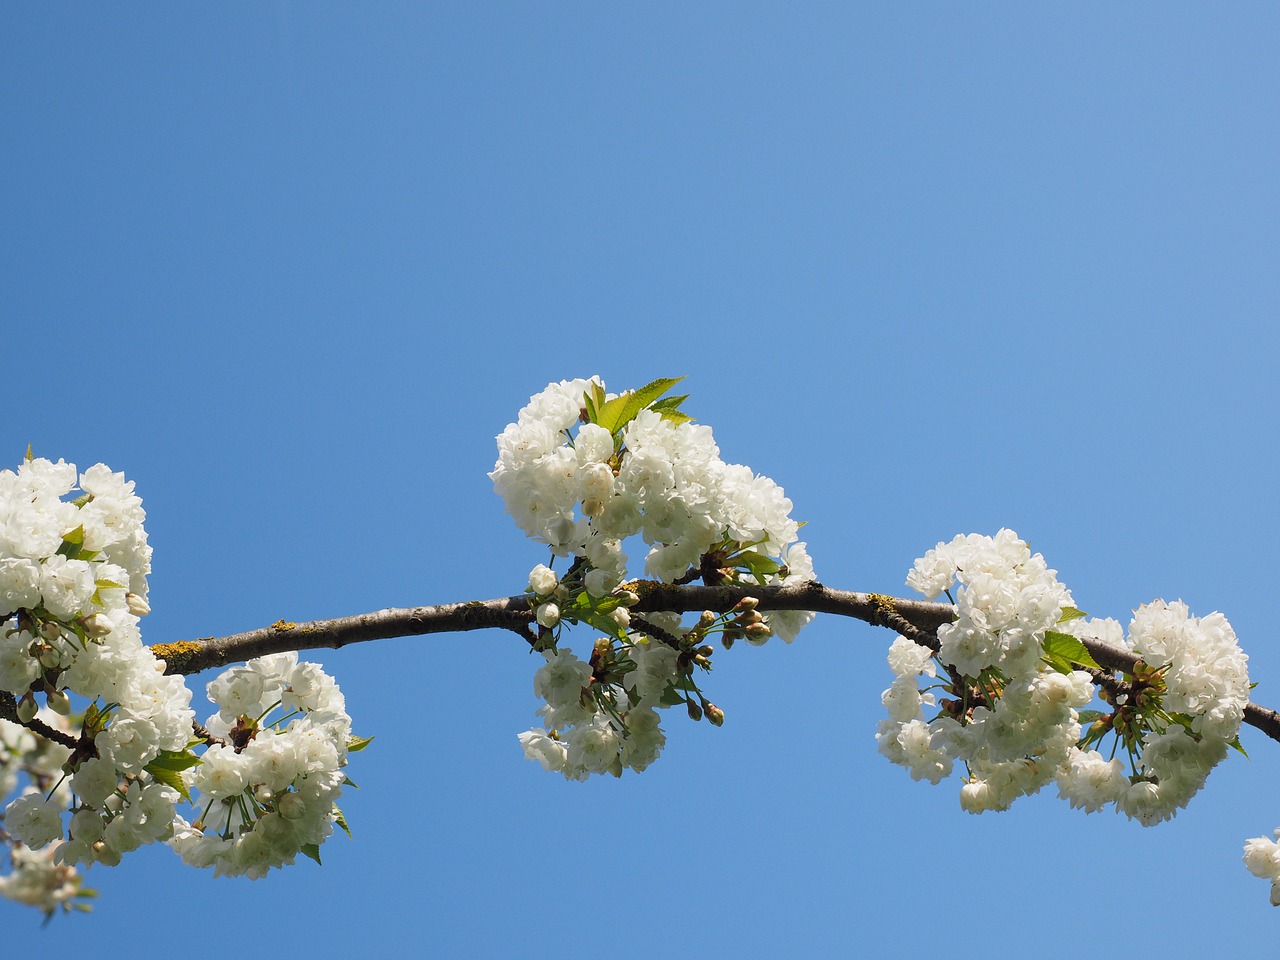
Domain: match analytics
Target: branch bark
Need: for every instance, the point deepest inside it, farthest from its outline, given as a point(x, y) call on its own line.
point(917, 619)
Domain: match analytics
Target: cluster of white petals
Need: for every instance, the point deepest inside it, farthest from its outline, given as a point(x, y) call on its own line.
point(1008, 718)
point(1012, 711)
point(73, 585)
point(584, 490)
point(584, 482)
point(268, 791)
point(600, 727)
point(1202, 683)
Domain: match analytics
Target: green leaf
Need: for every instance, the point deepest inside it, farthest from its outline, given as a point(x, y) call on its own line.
point(593, 400)
point(1069, 648)
point(596, 612)
point(356, 744)
point(618, 412)
point(1087, 717)
point(340, 820)
point(29, 457)
point(168, 766)
point(757, 563)
point(1071, 613)
point(671, 696)
point(72, 543)
point(110, 584)
point(348, 782)
point(1060, 664)
point(1235, 745)
point(312, 850)
point(669, 409)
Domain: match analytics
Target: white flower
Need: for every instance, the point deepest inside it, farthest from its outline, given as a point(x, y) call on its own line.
point(34, 820)
point(562, 679)
point(548, 614)
point(539, 746)
point(542, 580)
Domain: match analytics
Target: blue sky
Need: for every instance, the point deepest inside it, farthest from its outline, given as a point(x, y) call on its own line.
point(934, 268)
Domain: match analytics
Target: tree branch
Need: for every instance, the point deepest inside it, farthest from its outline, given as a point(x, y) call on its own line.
point(918, 620)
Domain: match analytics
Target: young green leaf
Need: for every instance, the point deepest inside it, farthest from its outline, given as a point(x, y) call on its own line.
point(1071, 613)
point(356, 744)
point(621, 410)
point(341, 820)
point(167, 768)
point(1069, 648)
point(312, 850)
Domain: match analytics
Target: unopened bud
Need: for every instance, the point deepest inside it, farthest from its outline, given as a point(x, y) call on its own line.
point(97, 625)
point(706, 620)
point(262, 793)
point(548, 615)
point(27, 709)
point(137, 606)
point(616, 767)
point(622, 617)
point(50, 657)
point(542, 580)
point(706, 650)
point(758, 631)
point(714, 714)
point(745, 604)
point(51, 630)
point(695, 711)
point(58, 702)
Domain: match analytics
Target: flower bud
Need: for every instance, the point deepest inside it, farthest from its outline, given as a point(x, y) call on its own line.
point(137, 606)
point(27, 709)
point(758, 631)
point(548, 615)
point(629, 599)
point(96, 625)
point(707, 619)
point(50, 657)
point(51, 630)
point(695, 711)
point(542, 580)
point(622, 617)
point(58, 702)
point(745, 605)
point(714, 714)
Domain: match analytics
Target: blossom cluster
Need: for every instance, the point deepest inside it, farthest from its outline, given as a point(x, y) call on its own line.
point(267, 789)
point(1018, 676)
point(584, 471)
point(73, 586)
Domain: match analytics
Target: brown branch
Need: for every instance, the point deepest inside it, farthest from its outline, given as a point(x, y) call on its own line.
point(9, 711)
point(918, 620)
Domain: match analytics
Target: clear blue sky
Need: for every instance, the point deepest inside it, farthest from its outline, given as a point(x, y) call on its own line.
point(935, 268)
